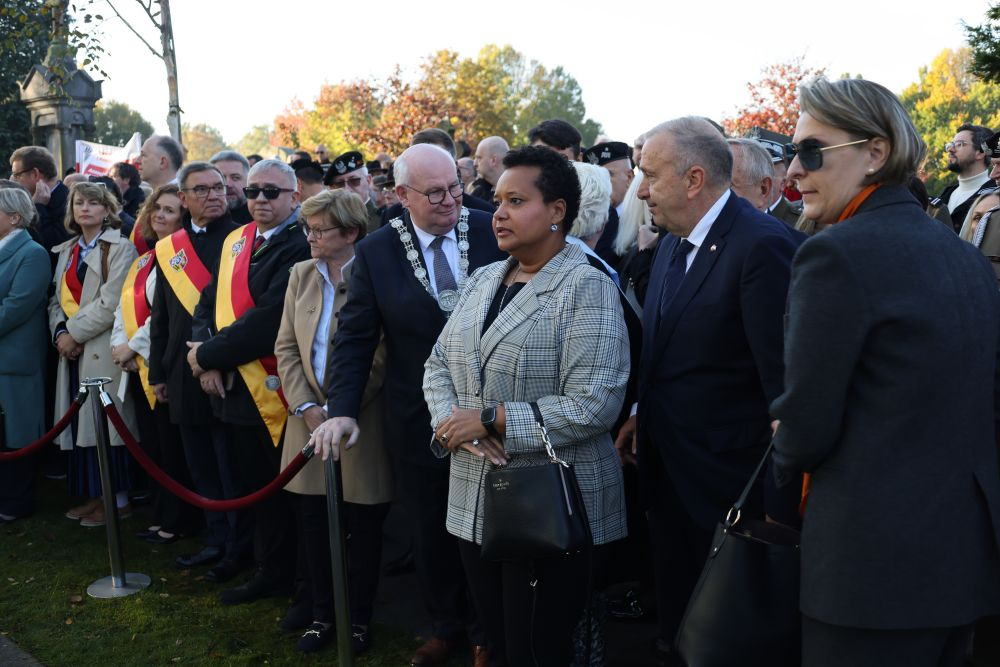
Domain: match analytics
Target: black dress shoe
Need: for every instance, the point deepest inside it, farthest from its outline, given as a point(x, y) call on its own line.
point(225, 571)
point(361, 641)
point(315, 638)
point(298, 616)
point(159, 538)
point(401, 565)
point(206, 556)
point(258, 588)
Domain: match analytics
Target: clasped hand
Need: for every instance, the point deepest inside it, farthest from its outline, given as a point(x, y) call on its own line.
point(464, 430)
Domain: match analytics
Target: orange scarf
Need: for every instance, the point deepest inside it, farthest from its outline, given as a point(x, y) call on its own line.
point(850, 210)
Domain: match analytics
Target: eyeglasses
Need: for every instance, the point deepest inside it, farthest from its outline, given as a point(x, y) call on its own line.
point(956, 145)
point(810, 152)
point(435, 197)
point(316, 232)
point(18, 174)
point(201, 191)
point(353, 181)
point(270, 192)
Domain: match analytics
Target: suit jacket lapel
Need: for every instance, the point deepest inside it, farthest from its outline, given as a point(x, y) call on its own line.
point(13, 246)
point(420, 258)
point(312, 314)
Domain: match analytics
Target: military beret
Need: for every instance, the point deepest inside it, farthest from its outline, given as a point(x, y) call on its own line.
point(773, 148)
point(374, 167)
point(349, 161)
point(990, 146)
point(601, 154)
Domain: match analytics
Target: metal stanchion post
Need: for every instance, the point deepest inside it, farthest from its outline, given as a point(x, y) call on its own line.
point(120, 583)
point(338, 557)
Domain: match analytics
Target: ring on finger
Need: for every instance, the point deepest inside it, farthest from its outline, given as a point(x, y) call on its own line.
point(475, 442)
point(444, 438)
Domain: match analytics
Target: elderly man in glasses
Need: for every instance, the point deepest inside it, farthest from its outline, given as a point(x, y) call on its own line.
point(406, 280)
point(966, 157)
point(349, 171)
point(235, 326)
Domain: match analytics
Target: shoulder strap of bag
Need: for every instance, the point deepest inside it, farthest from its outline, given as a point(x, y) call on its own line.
point(538, 414)
point(105, 251)
point(734, 513)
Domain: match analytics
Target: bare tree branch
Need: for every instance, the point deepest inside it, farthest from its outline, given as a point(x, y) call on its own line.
point(148, 6)
point(135, 32)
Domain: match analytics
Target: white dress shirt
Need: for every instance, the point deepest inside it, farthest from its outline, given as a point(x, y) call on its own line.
point(450, 248)
point(700, 231)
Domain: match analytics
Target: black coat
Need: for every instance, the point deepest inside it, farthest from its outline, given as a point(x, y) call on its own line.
point(605, 247)
point(713, 363)
point(132, 200)
point(170, 330)
point(470, 202)
point(891, 358)
point(386, 297)
point(50, 228)
point(251, 336)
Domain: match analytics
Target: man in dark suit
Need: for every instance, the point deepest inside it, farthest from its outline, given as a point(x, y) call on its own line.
point(233, 351)
point(35, 169)
point(711, 352)
point(188, 256)
point(405, 281)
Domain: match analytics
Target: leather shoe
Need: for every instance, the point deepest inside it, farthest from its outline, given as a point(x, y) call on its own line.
point(435, 651)
point(159, 538)
point(257, 588)
point(206, 556)
point(225, 571)
point(480, 658)
point(316, 637)
point(361, 641)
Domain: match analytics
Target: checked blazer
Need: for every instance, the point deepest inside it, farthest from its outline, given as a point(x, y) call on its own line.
point(560, 342)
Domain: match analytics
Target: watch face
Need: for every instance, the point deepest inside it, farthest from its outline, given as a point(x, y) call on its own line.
point(488, 415)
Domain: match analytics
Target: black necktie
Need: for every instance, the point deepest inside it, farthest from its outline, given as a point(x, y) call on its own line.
point(443, 278)
point(675, 274)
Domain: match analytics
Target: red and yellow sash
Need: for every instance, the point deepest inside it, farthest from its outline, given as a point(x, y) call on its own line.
point(135, 312)
point(180, 265)
point(232, 299)
point(139, 241)
point(70, 287)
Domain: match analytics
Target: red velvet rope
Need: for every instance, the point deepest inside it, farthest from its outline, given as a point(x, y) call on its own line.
point(192, 498)
point(60, 426)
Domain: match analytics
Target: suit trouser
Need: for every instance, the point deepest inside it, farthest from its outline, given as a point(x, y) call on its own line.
point(255, 461)
point(208, 460)
point(17, 485)
point(424, 489)
point(826, 645)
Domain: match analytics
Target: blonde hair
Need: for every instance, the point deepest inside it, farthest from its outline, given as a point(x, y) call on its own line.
point(339, 208)
point(635, 213)
point(144, 221)
point(967, 230)
point(101, 193)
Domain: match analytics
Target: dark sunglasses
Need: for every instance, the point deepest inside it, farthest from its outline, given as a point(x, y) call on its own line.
point(270, 192)
point(810, 152)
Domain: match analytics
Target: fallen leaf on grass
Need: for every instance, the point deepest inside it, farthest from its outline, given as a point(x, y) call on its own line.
point(176, 660)
point(69, 621)
point(76, 599)
point(164, 595)
point(178, 642)
point(185, 573)
point(163, 580)
point(134, 636)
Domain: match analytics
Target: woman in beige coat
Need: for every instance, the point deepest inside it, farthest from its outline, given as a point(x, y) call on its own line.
point(88, 284)
point(317, 289)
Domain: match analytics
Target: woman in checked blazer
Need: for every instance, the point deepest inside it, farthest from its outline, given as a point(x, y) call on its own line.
point(543, 326)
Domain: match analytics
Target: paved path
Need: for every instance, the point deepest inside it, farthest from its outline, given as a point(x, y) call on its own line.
point(12, 656)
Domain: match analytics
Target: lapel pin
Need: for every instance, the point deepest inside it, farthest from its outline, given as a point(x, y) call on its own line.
point(712, 248)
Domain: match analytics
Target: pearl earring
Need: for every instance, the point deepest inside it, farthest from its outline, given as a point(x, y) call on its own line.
point(871, 171)
point(554, 227)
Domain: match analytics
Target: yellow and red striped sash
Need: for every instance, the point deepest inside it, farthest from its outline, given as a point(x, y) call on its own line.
point(139, 241)
point(135, 312)
point(180, 265)
point(232, 299)
point(70, 287)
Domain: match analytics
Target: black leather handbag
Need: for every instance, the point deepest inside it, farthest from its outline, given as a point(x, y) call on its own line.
point(745, 607)
point(535, 511)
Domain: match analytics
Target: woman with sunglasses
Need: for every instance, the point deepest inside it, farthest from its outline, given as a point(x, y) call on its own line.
point(317, 289)
point(888, 405)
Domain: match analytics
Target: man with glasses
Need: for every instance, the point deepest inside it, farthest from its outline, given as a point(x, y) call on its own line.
point(966, 157)
point(349, 171)
point(186, 260)
point(35, 169)
point(406, 280)
point(235, 326)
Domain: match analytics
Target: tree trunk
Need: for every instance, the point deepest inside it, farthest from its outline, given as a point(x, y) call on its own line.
point(170, 60)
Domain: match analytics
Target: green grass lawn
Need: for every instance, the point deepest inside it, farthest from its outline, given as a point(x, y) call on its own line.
point(47, 562)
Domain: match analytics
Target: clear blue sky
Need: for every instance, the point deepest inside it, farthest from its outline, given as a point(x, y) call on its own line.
point(638, 62)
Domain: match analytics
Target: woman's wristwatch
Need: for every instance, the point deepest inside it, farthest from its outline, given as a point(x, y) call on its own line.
point(488, 416)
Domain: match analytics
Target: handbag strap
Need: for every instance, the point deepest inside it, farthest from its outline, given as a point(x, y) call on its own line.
point(545, 436)
point(738, 505)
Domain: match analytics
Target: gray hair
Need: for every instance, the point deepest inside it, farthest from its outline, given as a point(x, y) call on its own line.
point(173, 150)
point(15, 201)
point(865, 110)
point(595, 200)
point(698, 142)
point(756, 164)
point(401, 167)
point(277, 165)
point(194, 168)
point(230, 156)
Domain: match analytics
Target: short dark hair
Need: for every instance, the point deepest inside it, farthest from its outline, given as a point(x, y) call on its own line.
point(307, 171)
point(979, 136)
point(127, 170)
point(556, 133)
point(173, 150)
point(557, 178)
point(255, 157)
point(462, 149)
point(35, 157)
point(433, 135)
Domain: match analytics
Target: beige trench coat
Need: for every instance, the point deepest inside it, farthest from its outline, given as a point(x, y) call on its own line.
point(365, 467)
point(91, 327)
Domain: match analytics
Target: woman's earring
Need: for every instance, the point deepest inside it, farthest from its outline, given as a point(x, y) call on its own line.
point(554, 227)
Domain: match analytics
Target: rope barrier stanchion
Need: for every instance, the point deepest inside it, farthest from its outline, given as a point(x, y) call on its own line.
point(53, 433)
point(119, 584)
point(338, 558)
point(190, 497)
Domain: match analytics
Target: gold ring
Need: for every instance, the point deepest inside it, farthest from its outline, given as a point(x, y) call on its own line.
point(444, 438)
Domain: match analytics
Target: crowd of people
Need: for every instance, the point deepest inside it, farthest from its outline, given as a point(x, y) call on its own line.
point(655, 314)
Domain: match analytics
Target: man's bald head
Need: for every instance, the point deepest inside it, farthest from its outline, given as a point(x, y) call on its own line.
point(427, 185)
point(418, 158)
point(489, 158)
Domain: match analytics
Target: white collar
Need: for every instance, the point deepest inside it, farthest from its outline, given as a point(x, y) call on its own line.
point(700, 231)
point(325, 272)
point(426, 238)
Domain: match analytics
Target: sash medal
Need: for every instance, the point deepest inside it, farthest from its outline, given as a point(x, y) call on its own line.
point(135, 312)
point(180, 265)
point(70, 287)
point(232, 300)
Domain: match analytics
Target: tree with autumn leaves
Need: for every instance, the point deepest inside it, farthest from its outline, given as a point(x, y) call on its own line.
point(774, 99)
point(498, 92)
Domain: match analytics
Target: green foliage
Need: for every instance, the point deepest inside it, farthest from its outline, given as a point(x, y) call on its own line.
point(116, 122)
point(257, 140)
point(946, 95)
point(24, 26)
point(985, 43)
point(202, 141)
